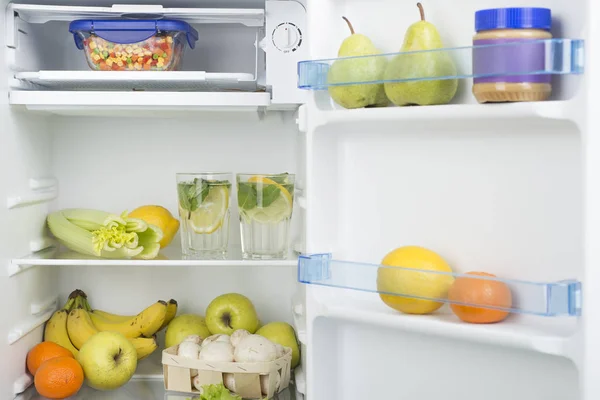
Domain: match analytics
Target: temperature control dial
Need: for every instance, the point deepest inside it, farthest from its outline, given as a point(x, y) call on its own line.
point(287, 37)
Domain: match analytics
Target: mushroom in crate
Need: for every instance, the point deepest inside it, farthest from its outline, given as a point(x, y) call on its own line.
point(250, 366)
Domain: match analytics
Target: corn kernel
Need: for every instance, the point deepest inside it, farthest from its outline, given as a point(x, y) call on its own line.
point(118, 53)
point(169, 39)
point(138, 66)
point(147, 53)
point(120, 63)
point(160, 60)
point(109, 62)
point(93, 45)
point(130, 66)
point(149, 62)
point(129, 49)
point(124, 58)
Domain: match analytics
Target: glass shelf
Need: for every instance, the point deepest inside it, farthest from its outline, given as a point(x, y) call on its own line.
point(538, 298)
point(137, 390)
point(557, 57)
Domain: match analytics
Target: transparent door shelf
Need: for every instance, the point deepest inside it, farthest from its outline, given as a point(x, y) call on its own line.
point(538, 298)
point(560, 57)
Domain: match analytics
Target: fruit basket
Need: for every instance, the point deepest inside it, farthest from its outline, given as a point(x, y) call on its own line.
point(178, 371)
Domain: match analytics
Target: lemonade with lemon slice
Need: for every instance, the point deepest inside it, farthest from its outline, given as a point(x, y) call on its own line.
point(265, 205)
point(204, 214)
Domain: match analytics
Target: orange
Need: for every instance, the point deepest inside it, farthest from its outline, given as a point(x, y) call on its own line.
point(44, 352)
point(59, 378)
point(482, 292)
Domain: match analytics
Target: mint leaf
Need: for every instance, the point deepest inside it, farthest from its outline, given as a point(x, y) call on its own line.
point(268, 195)
point(247, 196)
point(183, 194)
point(201, 191)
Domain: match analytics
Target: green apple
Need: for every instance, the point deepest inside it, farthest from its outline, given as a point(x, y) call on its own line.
point(230, 312)
point(282, 333)
point(183, 326)
point(108, 360)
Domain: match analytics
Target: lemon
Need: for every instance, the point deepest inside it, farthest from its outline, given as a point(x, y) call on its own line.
point(161, 217)
point(414, 283)
point(278, 210)
point(209, 215)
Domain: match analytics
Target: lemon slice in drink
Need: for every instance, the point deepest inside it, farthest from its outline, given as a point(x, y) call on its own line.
point(208, 217)
point(278, 210)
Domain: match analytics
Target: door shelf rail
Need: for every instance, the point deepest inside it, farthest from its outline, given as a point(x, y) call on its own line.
point(558, 57)
point(549, 299)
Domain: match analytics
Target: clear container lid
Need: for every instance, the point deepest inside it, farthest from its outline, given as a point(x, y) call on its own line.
point(513, 18)
point(125, 31)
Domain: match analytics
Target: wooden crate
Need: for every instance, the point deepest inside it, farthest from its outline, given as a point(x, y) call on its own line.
point(177, 374)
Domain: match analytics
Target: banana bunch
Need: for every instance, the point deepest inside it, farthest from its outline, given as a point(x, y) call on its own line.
point(76, 322)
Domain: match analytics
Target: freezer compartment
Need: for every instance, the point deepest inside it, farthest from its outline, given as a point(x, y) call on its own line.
point(225, 58)
point(538, 298)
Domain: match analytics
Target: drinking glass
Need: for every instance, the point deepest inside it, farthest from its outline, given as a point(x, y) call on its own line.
point(265, 205)
point(204, 214)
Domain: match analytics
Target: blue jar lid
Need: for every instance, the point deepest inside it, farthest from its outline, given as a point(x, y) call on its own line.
point(124, 31)
point(513, 18)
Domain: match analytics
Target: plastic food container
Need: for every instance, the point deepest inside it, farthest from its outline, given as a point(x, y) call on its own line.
point(507, 66)
point(133, 45)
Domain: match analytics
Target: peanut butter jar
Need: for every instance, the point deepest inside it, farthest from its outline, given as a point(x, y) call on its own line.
point(504, 73)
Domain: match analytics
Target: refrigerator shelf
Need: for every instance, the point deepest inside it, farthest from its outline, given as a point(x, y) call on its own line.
point(551, 299)
point(127, 104)
point(187, 81)
point(169, 257)
point(561, 57)
point(466, 114)
point(136, 389)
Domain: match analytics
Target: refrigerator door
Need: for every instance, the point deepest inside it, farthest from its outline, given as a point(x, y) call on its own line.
point(491, 188)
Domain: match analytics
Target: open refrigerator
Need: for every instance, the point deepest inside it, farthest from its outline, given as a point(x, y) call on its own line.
point(511, 189)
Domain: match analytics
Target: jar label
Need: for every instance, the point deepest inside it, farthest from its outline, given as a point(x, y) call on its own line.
point(518, 63)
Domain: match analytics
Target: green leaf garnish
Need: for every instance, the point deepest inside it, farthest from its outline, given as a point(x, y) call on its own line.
point(247, 196)
point(268, 195)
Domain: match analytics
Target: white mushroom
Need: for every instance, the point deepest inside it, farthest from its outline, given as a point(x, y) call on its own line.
point(196, 383)
point(217, 352)
point(280, 350)
point(264, 383)
point(188, 350)
point(216, 338)
point(229, 382)
point(237, 336)
point(194, 339)
point(255, 348)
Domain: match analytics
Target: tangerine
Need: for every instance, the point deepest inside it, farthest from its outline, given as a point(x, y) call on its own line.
point(43, 352)
point(59, 378)
point(483, 292)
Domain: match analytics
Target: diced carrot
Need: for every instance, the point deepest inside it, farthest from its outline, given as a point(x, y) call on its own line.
point(147, 67)
point(115, 67)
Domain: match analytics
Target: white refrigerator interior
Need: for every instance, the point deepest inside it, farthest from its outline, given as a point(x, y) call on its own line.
point(510, 189)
